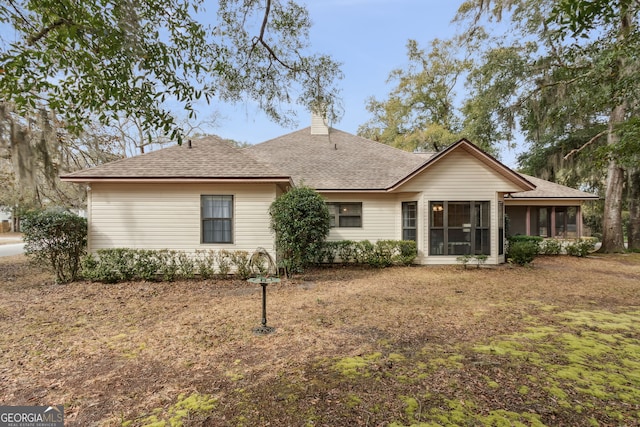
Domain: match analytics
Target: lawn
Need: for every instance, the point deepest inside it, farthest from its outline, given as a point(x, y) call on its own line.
point(556, 343)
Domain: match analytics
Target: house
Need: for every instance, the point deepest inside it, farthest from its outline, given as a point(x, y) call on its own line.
point(208, 194)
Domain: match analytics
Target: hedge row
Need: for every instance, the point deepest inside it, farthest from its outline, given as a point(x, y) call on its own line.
point(523, 249)
point(123, 264)
point(383, 253)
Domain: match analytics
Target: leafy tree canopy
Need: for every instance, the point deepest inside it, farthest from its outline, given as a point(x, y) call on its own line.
point(106, 59)
point(570, 83)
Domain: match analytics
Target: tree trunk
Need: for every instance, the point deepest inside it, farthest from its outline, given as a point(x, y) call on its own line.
point(633, 191)
point(612, 236)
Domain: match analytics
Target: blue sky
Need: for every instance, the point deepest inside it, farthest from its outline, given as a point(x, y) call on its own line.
point(369, 38)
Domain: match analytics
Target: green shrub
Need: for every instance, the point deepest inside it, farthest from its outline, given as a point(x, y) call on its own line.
point(110, 265)
point(522, 252)
point(57, 240)
point(362, 251)
point(186, 265)
point(550, 247)
point(464, 260)
point(580, 248)
point(223, 260)
point(146, 264)
point(346, 251)
point(381, 254)
point(407, 251)
point(242, 262)
point(300, 221)
point(205, 263)
point(122, 264)
point(481, 260)
point(169, 265)
point(327, 253)
point(537, 240)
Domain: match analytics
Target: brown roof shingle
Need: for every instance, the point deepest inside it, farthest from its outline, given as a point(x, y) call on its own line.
point(208, 158)
point(338, 161)
point(546, 189)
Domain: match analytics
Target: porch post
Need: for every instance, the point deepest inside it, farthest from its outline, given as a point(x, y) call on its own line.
point(579, 221)
point(553, 221)
point(528, 221)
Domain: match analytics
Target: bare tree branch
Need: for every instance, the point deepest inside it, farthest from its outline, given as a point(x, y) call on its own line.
point(46, 30)
point(585, 145)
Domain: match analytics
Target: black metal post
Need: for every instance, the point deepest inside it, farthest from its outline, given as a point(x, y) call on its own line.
point(264, 329)
point(264, 304)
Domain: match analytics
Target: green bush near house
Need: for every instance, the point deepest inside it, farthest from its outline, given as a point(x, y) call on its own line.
point(580, 248)
point(523, 249)
point(522, 252)
point(550, 247)
point(383, 253)
point(537, 240)
point(300, 221)
point(56, 239)
point(124, 264)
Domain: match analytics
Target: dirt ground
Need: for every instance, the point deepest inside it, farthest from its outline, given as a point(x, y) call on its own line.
point(556, 343)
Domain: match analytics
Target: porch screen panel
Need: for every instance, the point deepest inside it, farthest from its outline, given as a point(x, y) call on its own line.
point(572, 222)
point(436, 231)
point(543, 222)
point(460, 228)
point(482, 223)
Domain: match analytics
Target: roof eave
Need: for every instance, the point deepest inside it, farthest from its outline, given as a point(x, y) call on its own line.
point(146, 179)
point(553, 197)
point(351, 190)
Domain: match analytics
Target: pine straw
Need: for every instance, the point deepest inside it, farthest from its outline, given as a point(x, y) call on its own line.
point(111, 353)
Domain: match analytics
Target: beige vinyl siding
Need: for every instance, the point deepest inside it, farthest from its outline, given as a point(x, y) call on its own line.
point(167, 216)
point(457, 177)
point(380, 214)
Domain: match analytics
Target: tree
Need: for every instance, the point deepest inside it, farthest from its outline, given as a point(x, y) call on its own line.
point(300, 221)
point(106, 60)
point(34, 151)
point(580, 76)
point(420, 112)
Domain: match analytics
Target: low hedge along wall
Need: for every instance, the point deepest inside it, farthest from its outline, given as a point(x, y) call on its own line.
point(123, 264)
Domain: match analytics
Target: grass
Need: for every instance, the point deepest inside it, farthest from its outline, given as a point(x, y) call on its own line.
point(557, 343)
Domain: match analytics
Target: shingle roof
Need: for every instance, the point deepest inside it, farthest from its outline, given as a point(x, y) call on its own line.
point(208, 158)
point(338, 161)
point(546, 189)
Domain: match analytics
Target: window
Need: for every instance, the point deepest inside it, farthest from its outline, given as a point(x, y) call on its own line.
point(460, 228)
point(409, 220)
point(345, 214)
point(217, 219)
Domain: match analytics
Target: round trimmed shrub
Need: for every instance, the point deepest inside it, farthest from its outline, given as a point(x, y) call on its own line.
point(300, 221)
